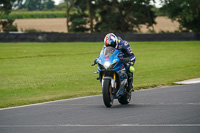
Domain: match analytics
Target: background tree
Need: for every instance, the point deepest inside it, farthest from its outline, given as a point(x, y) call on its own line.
point(92, 10)
point(124, 15)
point(19, 4)
point(32, 5)
point(79, 17)
point(69, 5)
point(61, 6)
point(6, 6)
point(186, 12)
point(48, 4)
point(5, 9)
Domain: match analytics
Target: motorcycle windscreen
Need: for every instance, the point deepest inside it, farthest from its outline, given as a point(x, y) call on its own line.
point(109, 51)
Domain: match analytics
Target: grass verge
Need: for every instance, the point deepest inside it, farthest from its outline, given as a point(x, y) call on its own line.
point(38, 72)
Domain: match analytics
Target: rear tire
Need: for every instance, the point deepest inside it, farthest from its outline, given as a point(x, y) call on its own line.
point(107, 93)
point(125, 99)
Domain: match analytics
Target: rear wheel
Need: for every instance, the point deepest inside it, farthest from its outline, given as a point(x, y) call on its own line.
point(107, 93)
point(125, 99)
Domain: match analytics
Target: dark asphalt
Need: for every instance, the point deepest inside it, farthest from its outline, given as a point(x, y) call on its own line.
point(164, 110)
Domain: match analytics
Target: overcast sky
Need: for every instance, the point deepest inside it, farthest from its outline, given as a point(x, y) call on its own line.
point(57, 1)
point(157, 2)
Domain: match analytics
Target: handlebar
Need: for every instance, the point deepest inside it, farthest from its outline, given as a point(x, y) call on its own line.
point(93, 64)
point(125, 60)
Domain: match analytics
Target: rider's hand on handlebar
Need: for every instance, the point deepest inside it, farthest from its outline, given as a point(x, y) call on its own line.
point(125, 60)
point(95, 62)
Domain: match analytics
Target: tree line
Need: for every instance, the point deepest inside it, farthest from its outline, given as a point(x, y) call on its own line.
point(114, 15)
point(32, 5)
point(109, 15)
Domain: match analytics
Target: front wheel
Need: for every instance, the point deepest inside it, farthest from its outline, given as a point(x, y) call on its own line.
point(125, 99)
point(107, 93)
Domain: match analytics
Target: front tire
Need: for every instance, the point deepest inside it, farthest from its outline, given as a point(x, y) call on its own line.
point(107, 93)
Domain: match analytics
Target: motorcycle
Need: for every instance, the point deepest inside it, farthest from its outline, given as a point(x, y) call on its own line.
point(113, 76)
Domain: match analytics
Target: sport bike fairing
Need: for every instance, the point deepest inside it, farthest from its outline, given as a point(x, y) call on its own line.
point(109, 60)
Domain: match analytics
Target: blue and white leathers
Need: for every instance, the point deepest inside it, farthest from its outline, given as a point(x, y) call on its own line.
point(113, 76)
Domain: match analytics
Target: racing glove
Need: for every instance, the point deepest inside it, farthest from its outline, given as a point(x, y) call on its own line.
point(125, 60)
point(95, 61)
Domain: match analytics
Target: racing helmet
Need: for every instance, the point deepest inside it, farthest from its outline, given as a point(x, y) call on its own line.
point(110, 40)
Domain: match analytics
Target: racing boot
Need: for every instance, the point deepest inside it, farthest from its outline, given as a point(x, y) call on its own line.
point(130, 82)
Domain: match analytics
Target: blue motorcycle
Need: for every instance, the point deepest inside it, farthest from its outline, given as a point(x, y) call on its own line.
point(113, 76)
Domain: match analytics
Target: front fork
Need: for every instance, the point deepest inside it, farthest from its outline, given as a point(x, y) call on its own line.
point(112, 79)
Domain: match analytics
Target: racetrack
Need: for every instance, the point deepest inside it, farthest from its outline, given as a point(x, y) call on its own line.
point(162, 110)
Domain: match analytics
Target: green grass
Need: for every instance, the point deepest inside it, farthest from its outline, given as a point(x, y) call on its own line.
point(38, 72)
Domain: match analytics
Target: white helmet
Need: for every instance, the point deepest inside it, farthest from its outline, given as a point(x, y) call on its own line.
point(110, 40)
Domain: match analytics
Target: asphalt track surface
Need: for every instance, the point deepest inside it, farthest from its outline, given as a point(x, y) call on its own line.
point(161, 110)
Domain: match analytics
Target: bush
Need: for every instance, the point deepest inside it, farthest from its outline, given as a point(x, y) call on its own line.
point(34, 14)
point(78, 23)
point(31, 30)
point(7, 25)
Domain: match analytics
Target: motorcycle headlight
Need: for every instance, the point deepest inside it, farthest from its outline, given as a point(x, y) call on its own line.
point(107, 65)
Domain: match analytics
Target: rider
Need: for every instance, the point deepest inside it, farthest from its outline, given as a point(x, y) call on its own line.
point(128, 56)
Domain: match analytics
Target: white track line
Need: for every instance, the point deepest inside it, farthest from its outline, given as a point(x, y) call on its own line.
point(190, 81)
point(117, 125)
point(47, 102)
